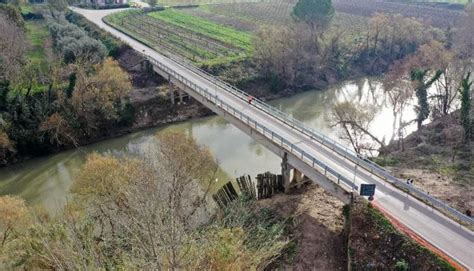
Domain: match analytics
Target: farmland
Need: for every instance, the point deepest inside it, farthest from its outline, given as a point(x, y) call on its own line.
point(251, 16)
point(211, 34)
point(195, 38)
point(270, 12)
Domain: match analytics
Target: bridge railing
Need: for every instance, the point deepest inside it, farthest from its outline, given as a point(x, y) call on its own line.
point(331, 144)
point(262, 129)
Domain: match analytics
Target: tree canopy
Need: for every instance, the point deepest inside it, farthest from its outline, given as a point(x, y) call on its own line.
point(314, 12)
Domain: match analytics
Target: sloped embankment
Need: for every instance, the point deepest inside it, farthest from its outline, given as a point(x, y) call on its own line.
point(375, 244)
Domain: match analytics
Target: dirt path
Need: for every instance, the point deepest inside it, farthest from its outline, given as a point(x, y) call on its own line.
point(319, 225)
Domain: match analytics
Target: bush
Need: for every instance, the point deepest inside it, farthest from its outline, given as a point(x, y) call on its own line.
point(75, 45)
point(113, 45)
point(401, 265)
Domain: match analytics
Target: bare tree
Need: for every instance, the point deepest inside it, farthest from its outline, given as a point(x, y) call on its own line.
point(12, 48)
point(157, 200)
point(398, 87)
point(355, 124)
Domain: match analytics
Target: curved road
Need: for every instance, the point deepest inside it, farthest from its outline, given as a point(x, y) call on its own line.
point(448, 236)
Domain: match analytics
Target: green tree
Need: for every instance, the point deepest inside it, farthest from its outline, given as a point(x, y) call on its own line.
point(418, 76)
point(316, 13)
point(466, 106)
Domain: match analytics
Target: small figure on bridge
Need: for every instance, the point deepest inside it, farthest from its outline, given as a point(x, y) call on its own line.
point(250, 98)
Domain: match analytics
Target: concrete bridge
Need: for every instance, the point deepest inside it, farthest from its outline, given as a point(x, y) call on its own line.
point(306, 152)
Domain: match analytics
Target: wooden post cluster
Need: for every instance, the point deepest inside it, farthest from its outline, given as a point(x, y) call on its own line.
point(225, 195)
point(269, 184)
point(246, 186)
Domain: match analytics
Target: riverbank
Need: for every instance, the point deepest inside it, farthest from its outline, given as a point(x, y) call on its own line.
point(330, 236)
point(437, 160)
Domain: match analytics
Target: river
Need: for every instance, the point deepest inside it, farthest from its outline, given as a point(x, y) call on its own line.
point(45, 181)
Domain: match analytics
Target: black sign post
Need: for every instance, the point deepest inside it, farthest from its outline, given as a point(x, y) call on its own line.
point(367, 190)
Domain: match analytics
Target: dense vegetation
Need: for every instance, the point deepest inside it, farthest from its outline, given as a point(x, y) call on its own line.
point(58, 88)
point(135, 213)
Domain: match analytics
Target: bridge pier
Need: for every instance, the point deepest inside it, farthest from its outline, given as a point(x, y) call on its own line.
point(181, 94)
point(286, 172)
point(291, 176)
point(171, 89)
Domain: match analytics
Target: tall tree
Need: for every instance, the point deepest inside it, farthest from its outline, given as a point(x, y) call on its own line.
point(466, 106)
point(422, 85)
point(316, 13)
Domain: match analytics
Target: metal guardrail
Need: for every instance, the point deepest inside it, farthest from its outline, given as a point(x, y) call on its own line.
point(268, 133)
point(333, 145)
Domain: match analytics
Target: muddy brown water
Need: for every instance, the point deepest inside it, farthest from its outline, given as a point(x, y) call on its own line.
point(46, 180)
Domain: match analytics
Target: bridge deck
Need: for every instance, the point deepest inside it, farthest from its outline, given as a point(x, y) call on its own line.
point(442, 232)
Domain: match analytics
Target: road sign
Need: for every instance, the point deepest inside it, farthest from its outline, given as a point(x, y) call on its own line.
point(367, 190)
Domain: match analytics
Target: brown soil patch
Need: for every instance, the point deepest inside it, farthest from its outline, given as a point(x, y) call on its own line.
point(318, 230)
point(440, 186)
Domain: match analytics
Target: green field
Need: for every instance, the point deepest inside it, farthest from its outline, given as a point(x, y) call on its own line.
point(173, 31)
point(37, 33)
point(205, 27)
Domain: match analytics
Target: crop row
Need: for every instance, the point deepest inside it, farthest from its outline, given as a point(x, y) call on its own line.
point(175, 39)
point(205, 27)
point(191, 36)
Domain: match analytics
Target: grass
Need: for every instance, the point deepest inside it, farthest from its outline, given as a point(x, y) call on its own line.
point(205, 27)
point(234, 45)
point(37, 33)
point(25, 9)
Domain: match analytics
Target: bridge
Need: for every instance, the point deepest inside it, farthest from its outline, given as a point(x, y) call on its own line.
point(306, 152)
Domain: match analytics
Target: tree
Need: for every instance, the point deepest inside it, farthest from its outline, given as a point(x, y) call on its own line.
point(154, 201)
point(97, 99)
point(355, 124)
point(421, 85)
point(466, 121)
point(6, 147)
point(13, 46)
point(399, 90)
point(75, 45)
point(316, 13)
point(13, 214)
point(279, 52)
point(464, 40)
point(56, 129)
point(435, 56)
point(390, 38)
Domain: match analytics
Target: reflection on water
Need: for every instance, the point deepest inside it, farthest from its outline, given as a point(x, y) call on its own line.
point(46, 180)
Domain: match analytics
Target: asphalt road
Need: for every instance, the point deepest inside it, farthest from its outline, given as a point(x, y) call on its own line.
point(454, 240)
